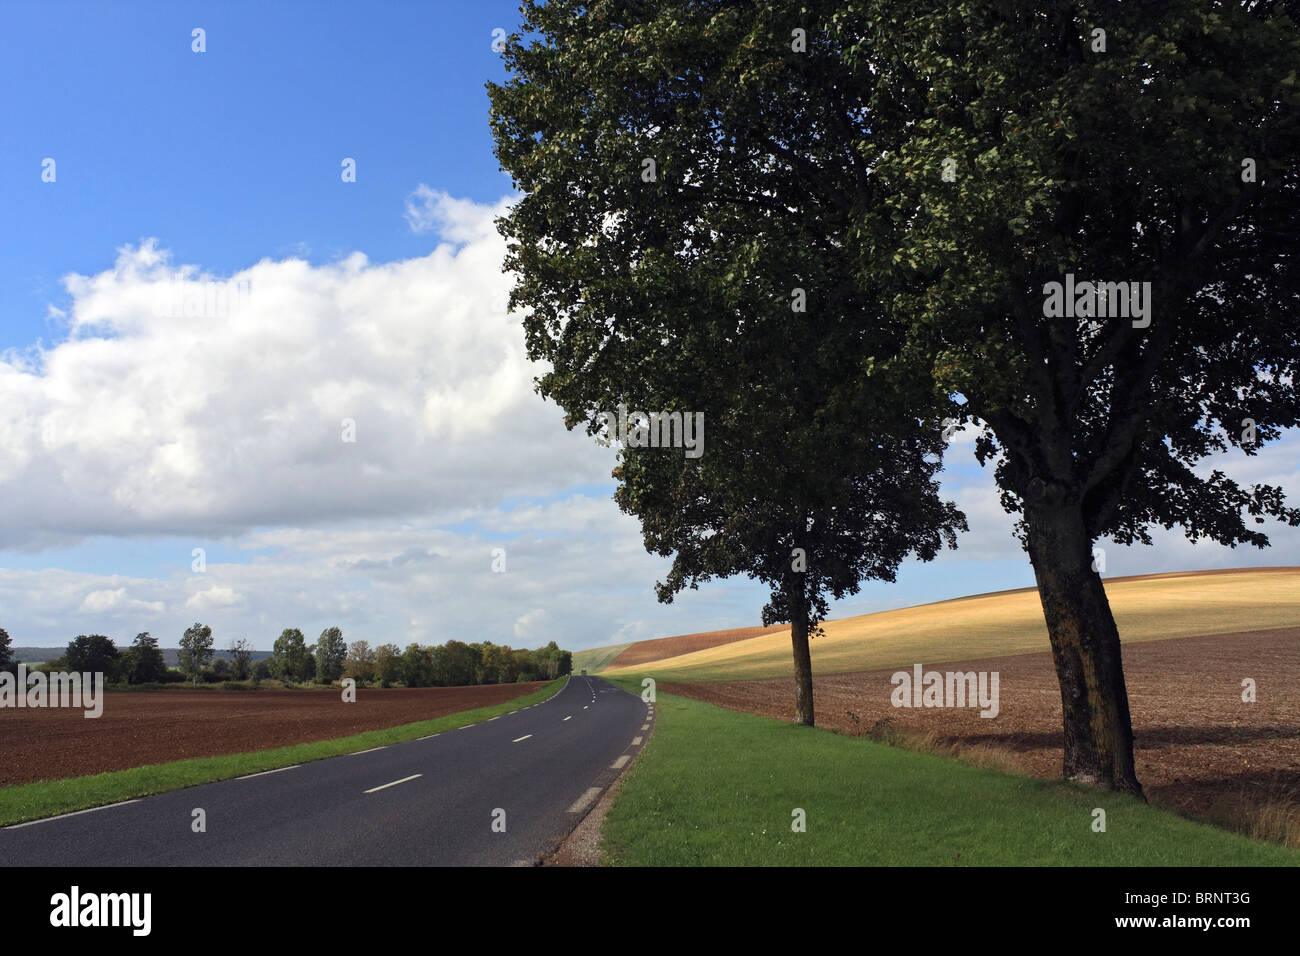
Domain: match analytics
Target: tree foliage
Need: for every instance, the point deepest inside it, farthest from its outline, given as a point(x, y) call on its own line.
point(331, 651)
point(92, 653)
point(195, 651)
point(144, 660)
point(924, 170)
point(290, 659)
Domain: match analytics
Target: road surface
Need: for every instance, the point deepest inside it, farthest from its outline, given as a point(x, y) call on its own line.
point(502, 792)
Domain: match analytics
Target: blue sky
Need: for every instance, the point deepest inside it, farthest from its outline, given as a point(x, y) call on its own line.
point(233, 154)
point(133, 439)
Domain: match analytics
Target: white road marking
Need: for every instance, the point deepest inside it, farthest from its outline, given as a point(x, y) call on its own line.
point(431, 736)
point(497, 717)
point(585, 706)
point(32, 823)
point(250, 776)
point(645, 726)
point(583, 801)
point(370, 751)
point(517, 739)
point(636, 741)
point(394, 783)
point(621, 762)
point(570, 717)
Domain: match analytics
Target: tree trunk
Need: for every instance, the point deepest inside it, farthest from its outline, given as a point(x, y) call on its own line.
point(803, 686)
point(1085, 647)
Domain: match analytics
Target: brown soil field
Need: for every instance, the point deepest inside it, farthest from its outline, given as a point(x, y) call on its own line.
point(1199, 748)
point(643, 652)
point(148, 727)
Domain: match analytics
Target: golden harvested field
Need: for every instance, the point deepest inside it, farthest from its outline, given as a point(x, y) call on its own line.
point(1147, 608)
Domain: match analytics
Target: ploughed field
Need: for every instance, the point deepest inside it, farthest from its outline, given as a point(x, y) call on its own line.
point(1199, 748)
point(148, 727)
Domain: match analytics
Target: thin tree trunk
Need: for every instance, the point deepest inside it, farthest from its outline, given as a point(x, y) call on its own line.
point(1085, 648)
point(803, 686)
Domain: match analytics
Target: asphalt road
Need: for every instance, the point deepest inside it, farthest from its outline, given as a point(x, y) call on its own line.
point(502, 792)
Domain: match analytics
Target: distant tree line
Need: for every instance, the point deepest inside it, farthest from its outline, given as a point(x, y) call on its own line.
point(453, 664)
point(140, 663)
point(293, 660)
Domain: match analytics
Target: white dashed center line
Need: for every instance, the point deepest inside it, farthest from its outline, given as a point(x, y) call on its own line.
point(394, 783)
point(517, 739)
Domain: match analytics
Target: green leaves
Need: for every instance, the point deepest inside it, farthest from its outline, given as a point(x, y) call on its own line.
point(765, 186)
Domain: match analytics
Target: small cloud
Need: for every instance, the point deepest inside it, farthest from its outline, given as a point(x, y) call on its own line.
point(115, 599)
point(213, 598)
point(455, 220)
point(528, 625)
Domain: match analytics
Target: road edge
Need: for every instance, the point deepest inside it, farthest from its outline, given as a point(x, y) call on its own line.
point(582, 846)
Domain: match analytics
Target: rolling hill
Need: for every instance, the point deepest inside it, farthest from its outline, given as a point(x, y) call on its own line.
point(1146, 608)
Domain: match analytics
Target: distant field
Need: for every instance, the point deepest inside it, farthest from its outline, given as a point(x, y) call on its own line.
point(642, 652)
point(1147, 607)
point(153, 728)
point(596, 658)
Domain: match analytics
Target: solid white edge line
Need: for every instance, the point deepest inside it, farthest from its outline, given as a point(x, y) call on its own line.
point(356, 753)
point(394, 783)
point(75, 813)
point(250, 776)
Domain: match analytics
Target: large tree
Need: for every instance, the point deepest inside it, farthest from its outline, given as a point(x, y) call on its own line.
point(813, 474)
point(955, 158)
point(196, 651)
point(331, 651)
point(241, 656)
point(388, 664)
point(360, 662)
point(144, 660)
point(1152, 142)
point(290, 658)
point(92, 653)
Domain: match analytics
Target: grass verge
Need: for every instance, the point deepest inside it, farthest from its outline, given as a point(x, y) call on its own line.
point(718, 788)
point(31, 801)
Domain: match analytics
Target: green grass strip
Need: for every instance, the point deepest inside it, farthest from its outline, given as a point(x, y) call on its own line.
point(31, 801)
point(715, 787)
